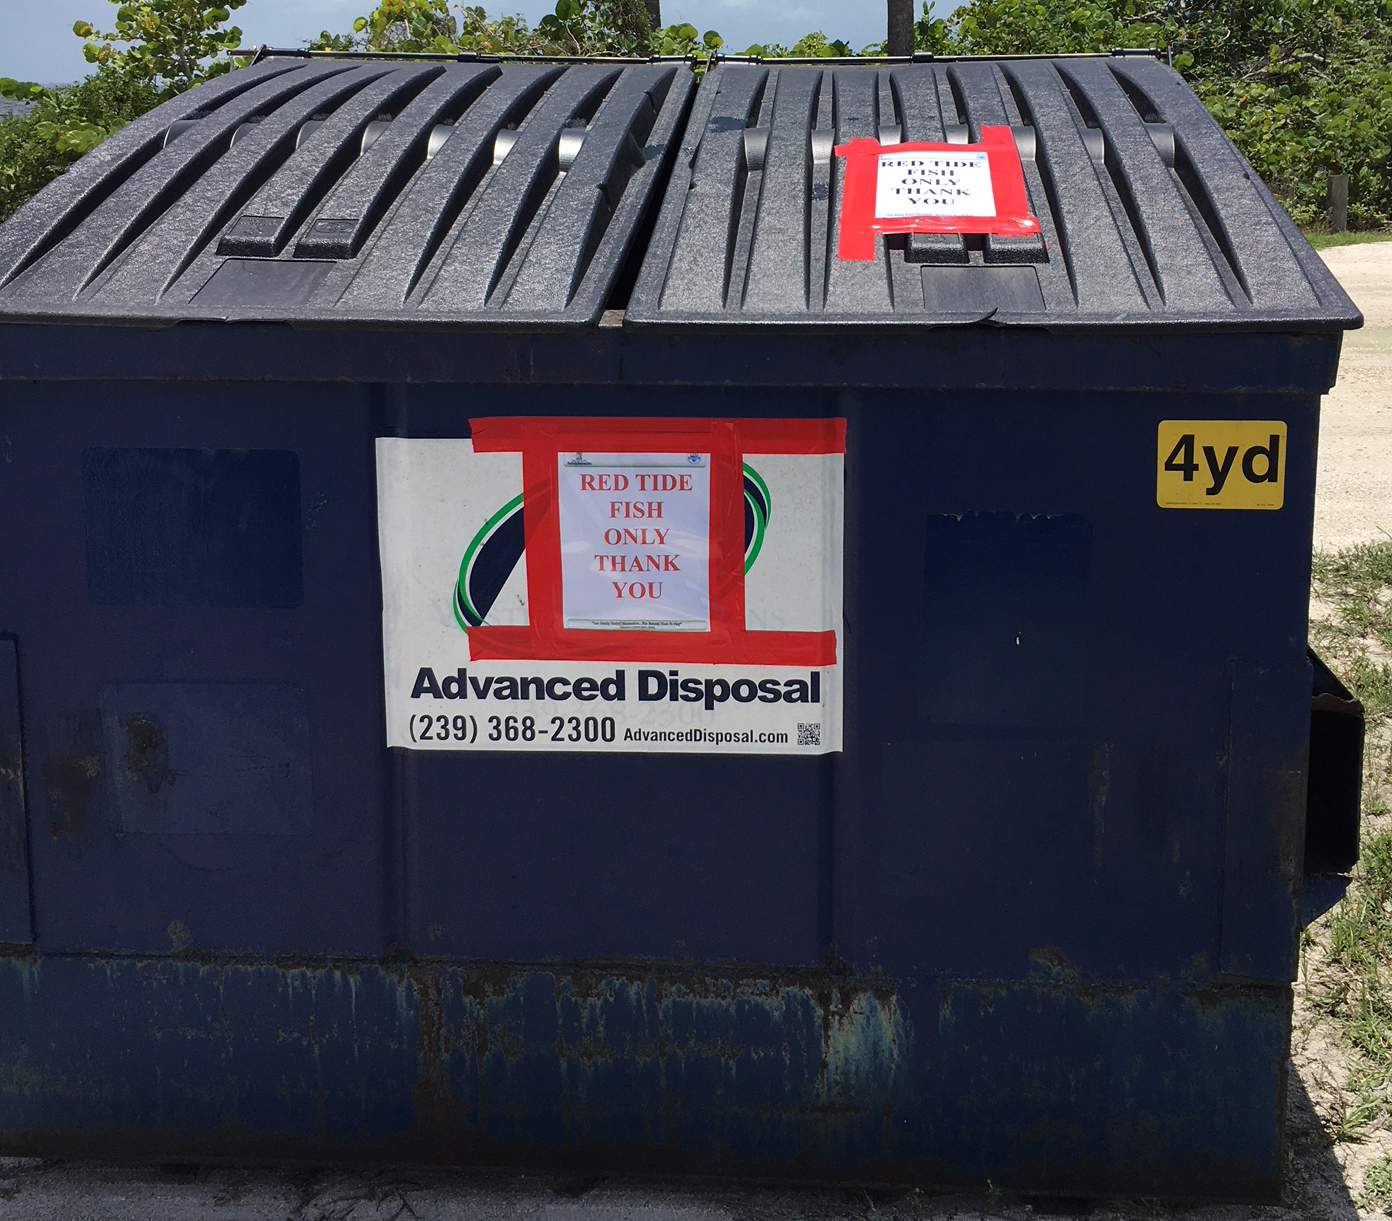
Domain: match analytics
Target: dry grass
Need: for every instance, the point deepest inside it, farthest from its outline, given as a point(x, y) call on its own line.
point(1345, 993)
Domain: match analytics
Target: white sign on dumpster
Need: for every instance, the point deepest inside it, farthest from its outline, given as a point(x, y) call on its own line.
point(673, 591)
point(635, 541)
point(934, 184)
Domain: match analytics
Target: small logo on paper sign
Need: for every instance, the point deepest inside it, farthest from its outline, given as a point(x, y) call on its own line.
point(1220, 464)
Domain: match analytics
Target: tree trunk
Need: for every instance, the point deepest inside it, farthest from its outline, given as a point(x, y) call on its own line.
point(654, 8)
point(901, 25)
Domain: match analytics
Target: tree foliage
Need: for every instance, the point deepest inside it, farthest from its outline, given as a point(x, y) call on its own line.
point(1304, 87)
point(574, 27)
point(61, 125)
point(171, 44)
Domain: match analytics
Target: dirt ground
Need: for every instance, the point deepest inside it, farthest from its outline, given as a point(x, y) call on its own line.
point(1354, 499)
point(1353, 503)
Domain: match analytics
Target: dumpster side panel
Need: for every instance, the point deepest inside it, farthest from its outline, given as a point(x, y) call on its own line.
point(710, 859)
point(1041, 671)
point(1265, 832)
point(591, 856)
point(203, 712)
point(981, 891)
point(192, 1051)
point(1097, 1098)
point(644, 1068)
point(1040, 662)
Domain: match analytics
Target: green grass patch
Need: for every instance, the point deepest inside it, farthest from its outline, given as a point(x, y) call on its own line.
point(1360, 570)
point(1351, 629)
point(1362, 925)
point(37, 146)
point(1377, 1184)
point(1356, 639)
point(1322, 241)
point(1359, 998)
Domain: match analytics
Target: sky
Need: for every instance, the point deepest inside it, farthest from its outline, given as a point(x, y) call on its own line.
point(37, 42)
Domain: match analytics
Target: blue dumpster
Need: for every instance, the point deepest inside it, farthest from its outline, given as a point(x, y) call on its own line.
point(877, 497)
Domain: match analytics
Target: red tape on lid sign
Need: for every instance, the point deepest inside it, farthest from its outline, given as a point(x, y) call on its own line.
point(932, 188)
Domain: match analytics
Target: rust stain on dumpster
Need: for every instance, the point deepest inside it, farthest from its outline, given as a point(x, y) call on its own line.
point(646, 1066)
point(147, 757)
point(799, 1045)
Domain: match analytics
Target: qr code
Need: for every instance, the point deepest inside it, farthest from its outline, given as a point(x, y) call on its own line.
point(809, 735)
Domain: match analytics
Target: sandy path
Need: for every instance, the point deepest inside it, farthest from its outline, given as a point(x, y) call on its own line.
point(1354, 498)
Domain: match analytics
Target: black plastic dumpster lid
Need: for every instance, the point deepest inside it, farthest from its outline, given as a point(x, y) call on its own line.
point(1148, 214)
point(332, 190)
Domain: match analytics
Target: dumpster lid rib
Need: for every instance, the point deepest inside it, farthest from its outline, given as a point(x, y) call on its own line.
point(1148, 215)
point(331, 190)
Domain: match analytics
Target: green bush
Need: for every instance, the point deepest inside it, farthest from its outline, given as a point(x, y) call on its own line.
point(1299, 120)
point(575, 27)
point(62, 125)
point(170, 44)
point(810, 46)
point(1303, 87)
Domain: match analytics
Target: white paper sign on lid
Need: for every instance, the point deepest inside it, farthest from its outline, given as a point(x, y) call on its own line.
point(934, 184)
point(635, 541)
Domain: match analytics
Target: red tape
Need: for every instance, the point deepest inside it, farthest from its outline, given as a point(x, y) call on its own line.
point(860, 225)
point(542, 439)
